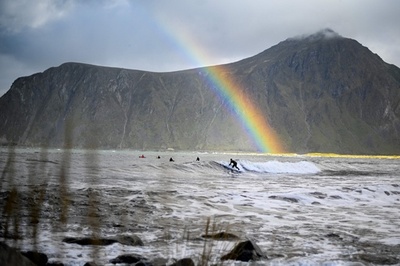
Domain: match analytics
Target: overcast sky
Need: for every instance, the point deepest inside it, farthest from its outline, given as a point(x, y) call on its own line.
point(178, 34)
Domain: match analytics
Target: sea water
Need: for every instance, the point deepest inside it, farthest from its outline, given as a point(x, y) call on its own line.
point(299, 209)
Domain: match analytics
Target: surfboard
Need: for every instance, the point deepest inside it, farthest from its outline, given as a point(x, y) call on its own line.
point(226, 166)
point(234, 170)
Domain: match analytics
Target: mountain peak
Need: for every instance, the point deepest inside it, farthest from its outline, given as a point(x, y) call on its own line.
point(323, 34)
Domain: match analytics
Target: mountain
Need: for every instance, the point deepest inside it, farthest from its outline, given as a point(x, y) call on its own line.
point(319, 93)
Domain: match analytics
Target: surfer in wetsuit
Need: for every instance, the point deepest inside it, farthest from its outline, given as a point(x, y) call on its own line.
point(234, 164)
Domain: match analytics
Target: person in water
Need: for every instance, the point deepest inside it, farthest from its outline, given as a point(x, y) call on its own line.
point(171, 160)
point(234, 164)
point(197, 159)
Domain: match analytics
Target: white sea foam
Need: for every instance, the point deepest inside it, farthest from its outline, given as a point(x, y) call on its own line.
point(277, 167)
point(288, 205)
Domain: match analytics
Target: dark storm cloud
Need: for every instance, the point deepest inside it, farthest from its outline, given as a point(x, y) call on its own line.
point(147, 34)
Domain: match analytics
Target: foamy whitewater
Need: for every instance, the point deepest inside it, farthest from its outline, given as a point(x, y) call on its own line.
point(300, 210)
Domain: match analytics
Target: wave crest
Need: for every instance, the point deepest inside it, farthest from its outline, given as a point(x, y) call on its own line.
point(277, 167)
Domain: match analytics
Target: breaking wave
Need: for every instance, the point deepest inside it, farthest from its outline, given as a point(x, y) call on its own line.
point(275, 167)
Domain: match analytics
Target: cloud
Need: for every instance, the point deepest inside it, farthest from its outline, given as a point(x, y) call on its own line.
point(19, 14)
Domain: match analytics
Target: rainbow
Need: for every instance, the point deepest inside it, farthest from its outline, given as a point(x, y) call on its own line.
point(256, 126)
point(243, 107)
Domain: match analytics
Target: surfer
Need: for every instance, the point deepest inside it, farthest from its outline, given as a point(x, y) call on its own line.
point(234, 164)
point(197, 159)
point(171, 160)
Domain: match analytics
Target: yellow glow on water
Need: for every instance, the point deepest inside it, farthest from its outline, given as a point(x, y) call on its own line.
point(327, 155)
point(335, 155)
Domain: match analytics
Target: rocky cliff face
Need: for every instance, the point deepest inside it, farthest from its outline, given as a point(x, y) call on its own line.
point(330, 94)
point(321, 93)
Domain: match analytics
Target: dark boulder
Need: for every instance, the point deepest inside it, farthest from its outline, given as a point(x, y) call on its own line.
point(245, 251)
point(11, 256)
point(90, 263)
point(128, 258)
point(86, 241)
point(132, 240)
point(221, 236)
point(40, 259)
point(184, 262)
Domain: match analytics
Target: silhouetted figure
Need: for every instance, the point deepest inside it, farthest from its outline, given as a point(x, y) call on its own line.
point(158, 157)
point(171, 160)
point(198, 159)
point(234, 164)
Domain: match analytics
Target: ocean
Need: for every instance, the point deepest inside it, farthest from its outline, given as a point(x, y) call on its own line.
point(299, 209)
